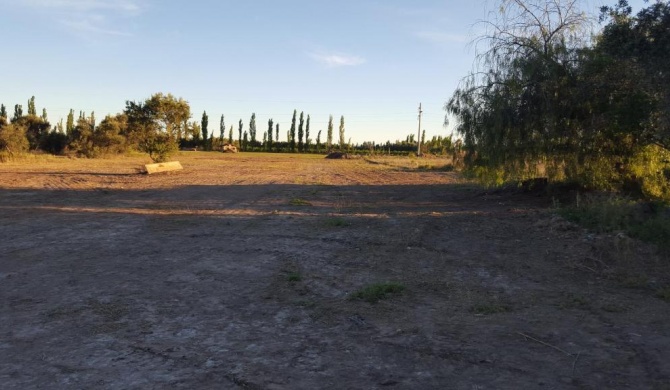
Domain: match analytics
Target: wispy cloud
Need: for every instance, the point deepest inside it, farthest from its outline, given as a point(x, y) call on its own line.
point(88, 17)
point(335, 60)
point(441, 37)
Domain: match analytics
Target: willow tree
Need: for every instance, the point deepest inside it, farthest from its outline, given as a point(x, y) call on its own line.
point(518, 106)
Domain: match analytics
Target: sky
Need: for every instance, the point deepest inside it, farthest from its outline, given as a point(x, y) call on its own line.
point(371, 61)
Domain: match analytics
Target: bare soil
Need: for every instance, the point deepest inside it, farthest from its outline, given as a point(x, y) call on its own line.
point(238, 272)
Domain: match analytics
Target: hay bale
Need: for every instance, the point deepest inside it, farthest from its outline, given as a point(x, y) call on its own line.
point(163, 167)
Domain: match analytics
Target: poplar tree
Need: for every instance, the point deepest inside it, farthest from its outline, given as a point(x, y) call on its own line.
point(222, 129)
point(70, 122)
point(230, 135)
point(318, 141)
point(270, 131)
point(307, 134)
point(18, 112)
point(239, 133)
point(44, 114)
point(31, 107)
point(277, 133)
point(203, 124)
point(301, 131)
point(329, 139)
point(342, 132)
point(252, 128)
point(3, 111)
point(292, 132)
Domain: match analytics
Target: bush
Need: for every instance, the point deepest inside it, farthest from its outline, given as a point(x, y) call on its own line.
point(647, 221)
point(13, 139)
point(159, 147)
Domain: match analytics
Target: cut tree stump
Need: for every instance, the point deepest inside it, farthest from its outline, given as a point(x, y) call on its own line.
point(163, 167)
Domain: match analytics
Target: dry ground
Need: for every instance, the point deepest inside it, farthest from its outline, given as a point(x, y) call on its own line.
point(238, 271)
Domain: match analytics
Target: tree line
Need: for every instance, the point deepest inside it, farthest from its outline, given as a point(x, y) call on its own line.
point(548, 100)
point(163, 123)
point(158, 126)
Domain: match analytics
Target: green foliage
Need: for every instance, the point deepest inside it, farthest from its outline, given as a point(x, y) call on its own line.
point(204, 123)
point(294, 277)
point(292, 131)
point(13, 139)
point(593, 114)
point(301, 132)
point(239, 134)
point(342, 132)
point(377, 292)
point(299, 202)
point(159, 146)
point(270, 131)
point(307, 140)
point(329, 139)
point(32, 111)
point(647, 221)
point(3, 112)
point(252, 128)
point(490, 308)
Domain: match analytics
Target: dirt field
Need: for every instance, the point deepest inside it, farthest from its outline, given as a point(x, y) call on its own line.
point(239, 272)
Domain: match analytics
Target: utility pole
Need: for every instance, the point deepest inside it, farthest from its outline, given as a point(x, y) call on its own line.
point(418, 138)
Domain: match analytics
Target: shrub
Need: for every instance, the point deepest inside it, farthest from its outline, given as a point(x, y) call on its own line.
point(13, 139)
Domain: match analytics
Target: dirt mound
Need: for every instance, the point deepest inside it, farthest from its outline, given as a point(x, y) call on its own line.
point(229, 149)
point(337, 155)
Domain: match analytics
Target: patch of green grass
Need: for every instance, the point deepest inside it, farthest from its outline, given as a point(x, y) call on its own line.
point(633, 280)
point(336, 222)
point(294, 277)
point(647, 221)
point(664, 294)
point(438, 168)
point(574, 301)
point(614, 308)
point(490, 308)
point(299, 202)
point(378, 291)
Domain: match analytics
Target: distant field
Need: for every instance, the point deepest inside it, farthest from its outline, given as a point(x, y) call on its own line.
point(282, 271)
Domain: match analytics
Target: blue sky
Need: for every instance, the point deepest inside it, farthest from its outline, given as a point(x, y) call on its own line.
point(372, 61)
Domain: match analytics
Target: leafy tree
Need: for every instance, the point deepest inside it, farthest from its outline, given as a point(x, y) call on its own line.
point(3, 111)
point(154, 125)
point(329, 139)
point(203, 125)
point(301, 132)
point(44, 115)
point(245, 141)
point(230, 135)
point(342, 132)
point(91, 119)
point(292, 132)
point(318, 141)
point(13, 139)
point(81, 138)
point(277, 133)
point(168, 112)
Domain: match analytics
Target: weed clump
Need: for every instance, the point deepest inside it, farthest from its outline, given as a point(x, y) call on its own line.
point(377, 292)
